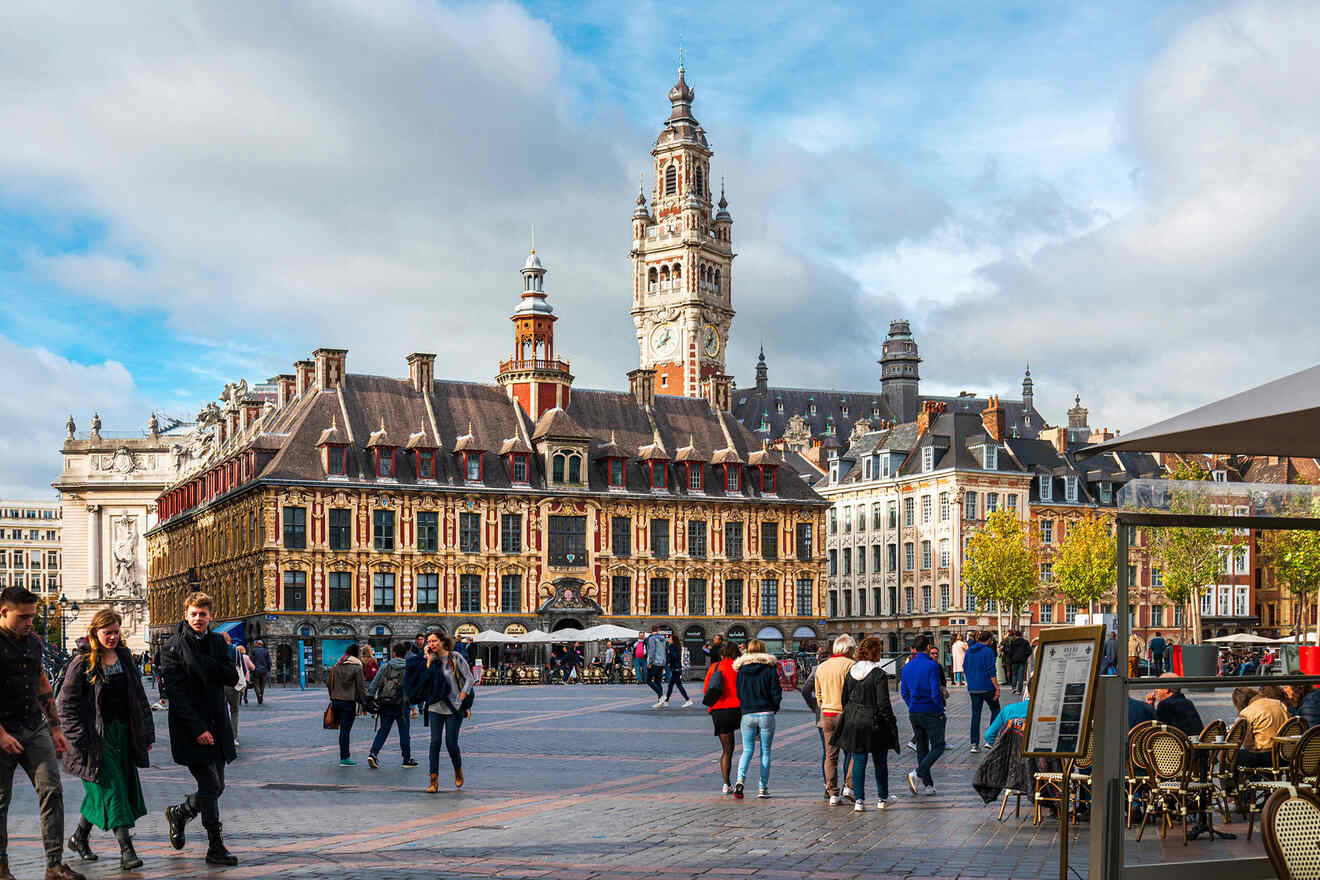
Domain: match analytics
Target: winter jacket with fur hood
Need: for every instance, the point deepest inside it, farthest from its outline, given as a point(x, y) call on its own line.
point(759, 689)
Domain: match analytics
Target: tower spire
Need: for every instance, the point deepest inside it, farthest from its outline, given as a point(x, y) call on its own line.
point(680, 53)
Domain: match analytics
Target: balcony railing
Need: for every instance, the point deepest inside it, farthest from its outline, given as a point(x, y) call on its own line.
point(512, 365)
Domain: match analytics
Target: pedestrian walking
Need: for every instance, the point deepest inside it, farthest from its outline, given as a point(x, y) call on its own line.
point(243, 666)
point(982, 686)
point(386, 689)
point(868, 728)
point(657, 659)
point(639, 659)
point(418, 651)
point(106, 717)
point(30, 734)
point(808, 691)
point(721, 696)
point(449, 696)
point(921, 691)
point(1156, 647)
point(260, 670)
point(674, 671)
point(1109, 661)
point(959, 650)
point(830, 676)
point(370, 666)
point(759, 696)
point(1136, 647)
point(348, 691)
point(1017, 652)
point(197, 671)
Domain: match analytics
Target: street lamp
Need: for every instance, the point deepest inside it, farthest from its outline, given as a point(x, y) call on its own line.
point(59, 607)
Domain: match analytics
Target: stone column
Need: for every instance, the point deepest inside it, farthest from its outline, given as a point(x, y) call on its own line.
point(93, 551)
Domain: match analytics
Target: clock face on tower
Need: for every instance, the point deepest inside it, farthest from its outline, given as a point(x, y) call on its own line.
point(664, 340)
point(710, 341)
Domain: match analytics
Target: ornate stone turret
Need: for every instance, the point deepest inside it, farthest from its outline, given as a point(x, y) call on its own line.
point(1028, 396)
point(762, 374)
point(534, 377)
point(899, 377)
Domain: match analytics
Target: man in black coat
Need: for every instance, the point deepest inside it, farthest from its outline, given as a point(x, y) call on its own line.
point(1016, 654)
point(197, 673)
point(1174, 709)
point(260, 670)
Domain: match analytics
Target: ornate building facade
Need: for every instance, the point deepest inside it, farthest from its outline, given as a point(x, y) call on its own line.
point(108, 487)
point(366, 508)
point(30, 553)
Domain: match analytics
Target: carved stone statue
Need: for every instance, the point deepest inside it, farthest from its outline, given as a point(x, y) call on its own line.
point(153, 425)
point(796, 434)
point(96, 424)
point(125, 549)
point(70, 427)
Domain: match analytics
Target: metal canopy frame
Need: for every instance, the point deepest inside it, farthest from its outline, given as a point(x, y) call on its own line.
point(1107, 833)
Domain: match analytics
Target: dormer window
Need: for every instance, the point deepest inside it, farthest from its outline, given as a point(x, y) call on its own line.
point(732, 478)
point(884, 465)
point(990, 457)
point(834, 471)
point(616, 473)
point(696, 476)
point(659, 474)
point(1220, 476)
point(1106, 493)
point(928, 458)
point(518, 468)
point(335, 461)
point(384, 462)
point(866, 468)
point(1046, 486)
point(426, 464)
point(844, 410)
point(472, 466)
point(811, 407)
point(779, 404)
point(767, 474)
point(566, 467)
point(1070, 489)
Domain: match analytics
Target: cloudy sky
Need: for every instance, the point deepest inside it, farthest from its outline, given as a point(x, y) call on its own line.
point(1123, 194)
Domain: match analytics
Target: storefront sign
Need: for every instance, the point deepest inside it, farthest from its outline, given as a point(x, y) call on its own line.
point(515, 629)
point(466, 629)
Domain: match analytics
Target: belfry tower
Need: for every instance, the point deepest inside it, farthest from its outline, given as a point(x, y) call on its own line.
point(534, 377)
point(682, 253)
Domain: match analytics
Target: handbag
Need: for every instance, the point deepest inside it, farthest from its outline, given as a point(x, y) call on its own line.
point(330, 721)
point(714, 689)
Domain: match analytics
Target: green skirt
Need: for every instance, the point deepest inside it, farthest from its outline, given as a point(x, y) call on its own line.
point(116, 801)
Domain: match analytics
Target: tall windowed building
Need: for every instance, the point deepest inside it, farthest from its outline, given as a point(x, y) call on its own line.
point(31, 554)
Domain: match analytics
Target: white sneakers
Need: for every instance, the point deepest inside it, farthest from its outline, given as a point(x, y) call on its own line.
point(835, 800)
point(882, 803)
point(848, 792)
point(726, 789)
point(928, 790)
point(687, 703)
point(660, 704)
point(859, 806)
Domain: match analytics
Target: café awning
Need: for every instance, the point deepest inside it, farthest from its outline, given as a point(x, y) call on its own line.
point(1278, 418)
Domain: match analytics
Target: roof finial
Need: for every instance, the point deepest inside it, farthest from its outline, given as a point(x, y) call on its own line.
point(680, 53)
point(533, 238)
point(469, 427)
point(382, 424)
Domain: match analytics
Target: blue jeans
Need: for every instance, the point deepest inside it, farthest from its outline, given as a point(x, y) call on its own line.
point(823, 777)
point(675, 677)
point(385, 721)
point(654, 676)
point(345, 714)
point(859, 774)
point(979, 699)
point(444, 731)
point(928, 730)
point(762, 725)
point(960, 678)
point(639, 669)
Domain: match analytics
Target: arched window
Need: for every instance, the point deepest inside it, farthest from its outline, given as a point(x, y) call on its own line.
point(678, 271)
point(664, 274)
point(651, 279)
point(701, 189)
point(558, 469)
point(671, 179)
point(574, 469)
point(717, 279)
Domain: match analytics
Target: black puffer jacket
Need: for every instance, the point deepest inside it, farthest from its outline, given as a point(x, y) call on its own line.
point(868, 724)
point(758, 684)
point(79, 708)
point(196, 672)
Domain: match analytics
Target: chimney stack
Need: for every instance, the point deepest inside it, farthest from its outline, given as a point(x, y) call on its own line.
point(285, 389)
point(992, 418)
point(717, 390)
point(305, 373)
point(642, 384)
point(421, 371)
point(330, 363)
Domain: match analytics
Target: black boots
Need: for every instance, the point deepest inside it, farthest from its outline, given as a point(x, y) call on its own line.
point(78, 842)
point(128, 857)
point(176, 818)
point(216, 854)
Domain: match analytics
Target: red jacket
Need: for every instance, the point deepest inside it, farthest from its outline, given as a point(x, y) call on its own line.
point(729, 693)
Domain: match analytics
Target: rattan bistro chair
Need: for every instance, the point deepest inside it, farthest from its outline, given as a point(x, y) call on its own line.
point(1305, 766)
point(1169, 757)
point(1290, 827)
point(1138, 773)
point(1287, 755)
point(1213, 729)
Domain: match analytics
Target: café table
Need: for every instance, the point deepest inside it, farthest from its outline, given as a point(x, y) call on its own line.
point(1210, 750)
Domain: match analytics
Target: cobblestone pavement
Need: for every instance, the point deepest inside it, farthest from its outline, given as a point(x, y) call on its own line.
point(562, 782)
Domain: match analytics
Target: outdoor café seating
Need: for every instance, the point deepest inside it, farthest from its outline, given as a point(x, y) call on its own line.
point(1290, 827)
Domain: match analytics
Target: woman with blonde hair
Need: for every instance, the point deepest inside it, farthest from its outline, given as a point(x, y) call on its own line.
point(759, 694)
point(106, 718)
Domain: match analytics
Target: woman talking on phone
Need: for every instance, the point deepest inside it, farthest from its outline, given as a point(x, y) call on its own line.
point(448, 696)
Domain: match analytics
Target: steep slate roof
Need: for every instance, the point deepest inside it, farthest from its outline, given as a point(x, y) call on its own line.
point(494, 422)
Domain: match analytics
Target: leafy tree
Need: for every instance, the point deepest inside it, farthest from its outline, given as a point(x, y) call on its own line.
point(1084, 564)
point(1294, 557)
point(1000, 563)
point(1191, 558)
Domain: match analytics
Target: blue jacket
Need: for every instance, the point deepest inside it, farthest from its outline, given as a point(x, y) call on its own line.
point(1008, 713)
point(979, 665)
point(1309, 711)
point(920, 685)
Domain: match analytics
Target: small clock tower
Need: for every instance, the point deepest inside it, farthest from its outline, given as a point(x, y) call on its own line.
point(682, 254)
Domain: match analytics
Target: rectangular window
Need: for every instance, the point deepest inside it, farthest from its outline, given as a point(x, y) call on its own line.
point(991, 502)
point(659, 477)
point(469, 533)
point(428, 592)
point(944, 507)
point(892, 558)
point(770, 540)
point(770, 596)
point(1070, 489)
point(295, 528)
point(909, 600)
point(847, 520)
point(295, 591)
point(384, 462)
point(804, 606)
point(733, 596)
point(382, 591)
point(621, 536)
point(1131, 575)
point(616, 472)
point(428, 531)
point(804, 542)
point(469, 593)
point(1070, 613)
point(1106, 493)
point(473, 460)
point(877, 559)
point(733, 540)
point(621, 594)
point(1156, 577)
point(511, 532)
point(568, 540)
point(520, 469)
point(892, 516)
point(991, 457)
point(834, 521)
point(909, 511)
point(1045, 485)
point(511, 593)
point(1046, 572)
point(946, 553)
point(925, 598)
point(732, 480)
point(1157, 615)
point(696, 477)
point(659, 539)
point(339, 585)
point(696, 595)
point(969, 505)
point(426, 465)
point(909, 556)
point(1047, 531)
point(659, 595)
point(1010, 501)
point(847, 561)
point(925, 555)
point(1240, 596)
point(340, 525)
point(697, 538)
point(928, 458)
point(861, 560)
point(834, 563)
point(1047, 612)
point(861, 517)
point(877, 516)
point(382, 529)
point(925, 508)
point(334, 456)
point(944, 597)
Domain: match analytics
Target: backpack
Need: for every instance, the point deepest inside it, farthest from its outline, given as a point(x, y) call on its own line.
point(391, 688)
